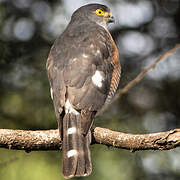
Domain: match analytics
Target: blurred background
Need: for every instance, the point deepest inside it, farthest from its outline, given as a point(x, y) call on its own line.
point(143, 30)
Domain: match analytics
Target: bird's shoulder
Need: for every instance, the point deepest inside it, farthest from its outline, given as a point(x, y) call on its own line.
point(89, 40)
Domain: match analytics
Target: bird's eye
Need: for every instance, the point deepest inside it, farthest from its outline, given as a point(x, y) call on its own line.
point(99, 12)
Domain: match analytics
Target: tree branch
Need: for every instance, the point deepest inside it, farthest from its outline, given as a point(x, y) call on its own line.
point(136, 142)
point(49, 140)
point(30, 140)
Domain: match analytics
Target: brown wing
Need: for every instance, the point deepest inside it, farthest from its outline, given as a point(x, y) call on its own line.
point(73, 61)
point(58, 88)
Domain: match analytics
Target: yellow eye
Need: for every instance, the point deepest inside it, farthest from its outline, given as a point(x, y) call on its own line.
point(99, 12)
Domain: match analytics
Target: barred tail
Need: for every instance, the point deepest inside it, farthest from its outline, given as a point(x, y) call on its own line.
point(75, 147)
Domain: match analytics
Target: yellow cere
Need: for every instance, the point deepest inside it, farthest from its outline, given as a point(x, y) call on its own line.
point(110, 14)
point(99, 12)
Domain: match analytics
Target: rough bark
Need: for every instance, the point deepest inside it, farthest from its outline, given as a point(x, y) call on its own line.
point(49, 140)
point(135, 142)
point(30, 140)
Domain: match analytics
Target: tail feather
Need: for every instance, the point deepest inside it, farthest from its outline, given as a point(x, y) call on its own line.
point(69, 161)
point(76, 153)
point(88, 164)
point(84, 166)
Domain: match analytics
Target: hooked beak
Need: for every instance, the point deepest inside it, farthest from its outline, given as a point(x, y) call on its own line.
point(109, 18)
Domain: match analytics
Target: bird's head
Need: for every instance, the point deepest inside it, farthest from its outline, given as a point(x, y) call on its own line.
point(97, 13)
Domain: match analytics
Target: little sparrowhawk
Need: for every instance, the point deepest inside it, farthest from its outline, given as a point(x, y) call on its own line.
point(84, 71)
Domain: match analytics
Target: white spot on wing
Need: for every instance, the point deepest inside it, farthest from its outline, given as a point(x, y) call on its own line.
point(71, 130)
point(71, 153)
point(69, 108)
point(97, 78)
point(97, 52)
point(51, 91)
point(74, 59)
point(85, 55)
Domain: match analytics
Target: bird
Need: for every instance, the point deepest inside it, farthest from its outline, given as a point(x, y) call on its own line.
point(84, 70)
